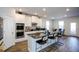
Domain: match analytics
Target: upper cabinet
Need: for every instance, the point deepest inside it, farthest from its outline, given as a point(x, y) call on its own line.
point(29, 20)
point(37, 20)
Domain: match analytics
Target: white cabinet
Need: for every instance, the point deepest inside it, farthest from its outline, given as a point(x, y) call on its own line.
point(37, 20)
point(8, 32)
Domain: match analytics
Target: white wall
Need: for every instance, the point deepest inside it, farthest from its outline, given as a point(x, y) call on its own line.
point(67, 22)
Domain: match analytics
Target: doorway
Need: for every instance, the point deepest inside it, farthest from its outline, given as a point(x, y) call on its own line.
point(73, 28)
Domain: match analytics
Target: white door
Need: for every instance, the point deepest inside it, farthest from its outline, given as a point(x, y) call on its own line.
point(8, 32)
point(73, 28)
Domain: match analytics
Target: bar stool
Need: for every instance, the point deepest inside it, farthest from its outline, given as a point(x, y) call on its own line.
point(59, 35)
point(52, 36)
point(41, 42)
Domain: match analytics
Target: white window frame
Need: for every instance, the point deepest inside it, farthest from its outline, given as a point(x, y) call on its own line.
point(61, 24)
point(47, 25)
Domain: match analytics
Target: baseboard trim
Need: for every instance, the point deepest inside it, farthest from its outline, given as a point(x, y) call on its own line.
point(71, 36)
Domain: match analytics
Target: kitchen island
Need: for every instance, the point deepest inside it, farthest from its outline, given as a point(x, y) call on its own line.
point(32, 37)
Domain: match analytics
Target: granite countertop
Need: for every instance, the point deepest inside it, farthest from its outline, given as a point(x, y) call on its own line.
point(36, 36)
point(35, 32)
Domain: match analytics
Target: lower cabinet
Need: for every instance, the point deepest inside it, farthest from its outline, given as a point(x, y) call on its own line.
point(49, 42)
point(33, 46)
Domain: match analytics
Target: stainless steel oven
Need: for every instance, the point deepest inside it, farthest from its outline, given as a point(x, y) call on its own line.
point(19, 30)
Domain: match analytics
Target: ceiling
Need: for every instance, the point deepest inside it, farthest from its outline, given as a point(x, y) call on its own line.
point(51, 12)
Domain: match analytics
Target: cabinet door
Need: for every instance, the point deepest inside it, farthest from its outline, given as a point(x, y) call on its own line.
point(8, 32)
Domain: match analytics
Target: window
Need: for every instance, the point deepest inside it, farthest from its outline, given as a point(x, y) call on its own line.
point(61, 24)
point(47, 25)
point(73, 28)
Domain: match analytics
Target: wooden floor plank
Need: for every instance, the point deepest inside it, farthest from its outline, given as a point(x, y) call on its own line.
point(70, 44)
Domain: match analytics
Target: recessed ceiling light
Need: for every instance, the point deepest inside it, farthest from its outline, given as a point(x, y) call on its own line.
point(44, 9)
point(65, 15)
point(35, 13)
point(67, 9)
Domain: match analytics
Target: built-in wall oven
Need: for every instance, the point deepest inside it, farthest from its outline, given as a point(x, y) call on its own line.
point(19, 30)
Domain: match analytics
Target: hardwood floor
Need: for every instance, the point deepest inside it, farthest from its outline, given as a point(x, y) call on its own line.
point(70, 44)
point(19, 47)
